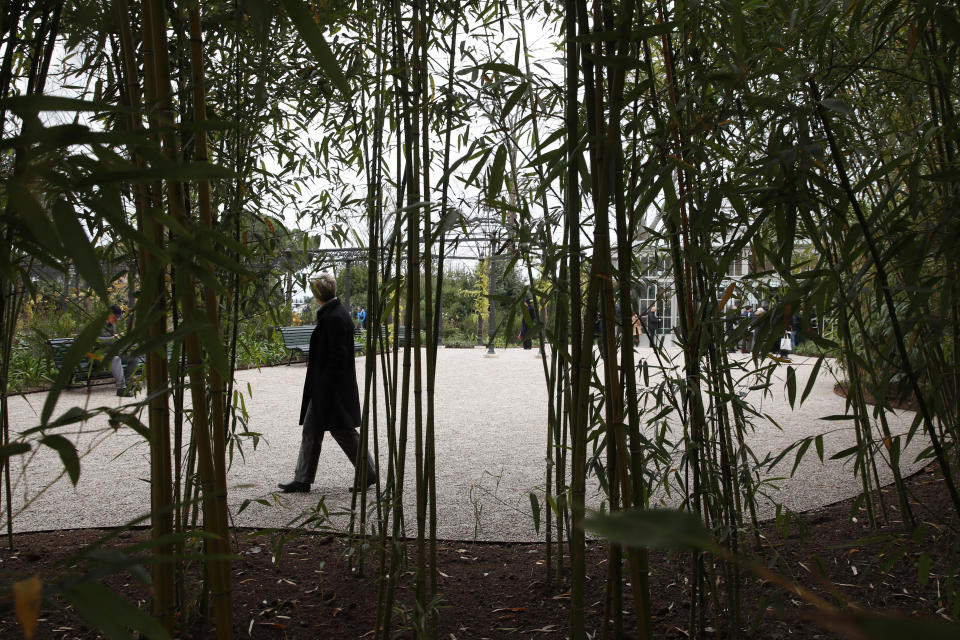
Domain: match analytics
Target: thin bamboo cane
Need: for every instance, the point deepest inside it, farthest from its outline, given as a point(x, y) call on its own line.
point(155, 32)
point(154, 281)
point(578, 380)
point(212, 304)
point(883, 282)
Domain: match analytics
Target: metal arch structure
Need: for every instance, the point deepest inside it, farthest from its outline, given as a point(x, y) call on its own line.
point(483, 232)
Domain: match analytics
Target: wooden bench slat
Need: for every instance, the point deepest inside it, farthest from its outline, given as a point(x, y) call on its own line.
point(87, 370)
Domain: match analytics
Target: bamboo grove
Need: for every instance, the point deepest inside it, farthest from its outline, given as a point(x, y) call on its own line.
point(652, 142)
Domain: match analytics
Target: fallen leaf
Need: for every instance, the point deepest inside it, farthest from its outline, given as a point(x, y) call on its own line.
point(550, 628)
point(27, 595)
point(514, 609)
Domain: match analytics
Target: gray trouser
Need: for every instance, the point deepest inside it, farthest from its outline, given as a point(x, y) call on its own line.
point(312, 441)
point(116, 368)
point(122, 365)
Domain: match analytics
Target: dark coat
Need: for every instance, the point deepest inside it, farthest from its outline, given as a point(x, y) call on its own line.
point(331, 382)
point(653, 321)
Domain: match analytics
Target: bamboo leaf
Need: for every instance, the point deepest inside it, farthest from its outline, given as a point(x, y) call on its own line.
point(791, 385)
point(812, 379)
point(836, 105)
point(923, 569)
point(67, 452)
point(501, 67)
point(12, 449)
point(845, 452)
point(27, 596)
point(885, 627)
point(514, 99)
point(800, 453)
point(109, 613)
point(819, 442)
point(71, 359)
point(78, 247)
point(496, 173)
point(35, 103)
point(535, 506)
point(310, 32)
point(653, 528)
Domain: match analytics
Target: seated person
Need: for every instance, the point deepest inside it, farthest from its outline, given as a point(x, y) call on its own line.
point(120, 364)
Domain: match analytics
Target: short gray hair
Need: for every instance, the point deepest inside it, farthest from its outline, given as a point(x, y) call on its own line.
point(324, 286)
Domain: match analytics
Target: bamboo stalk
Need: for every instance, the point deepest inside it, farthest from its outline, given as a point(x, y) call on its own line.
point(155, 33)
point(883, 281)
point(223, 601)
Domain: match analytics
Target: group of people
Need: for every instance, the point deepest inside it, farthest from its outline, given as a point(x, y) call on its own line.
point(652, 322)
point(751, 316)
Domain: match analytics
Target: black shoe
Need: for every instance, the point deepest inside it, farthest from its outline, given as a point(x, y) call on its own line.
point(369, 484)
point(294, 487)
point(125, 393)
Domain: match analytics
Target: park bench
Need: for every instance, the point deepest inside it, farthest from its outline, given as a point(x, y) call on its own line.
point(386, 330)
point(91, 368)
point(298, 339)
point(358, 341)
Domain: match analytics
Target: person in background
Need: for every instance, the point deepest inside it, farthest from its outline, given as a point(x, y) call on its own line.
point(331, 399)
point(118, 362)
point(362, 317)
point(637, 330)
point(653, 324)
point(757, 318)
point(526, 324)
point(745, 314)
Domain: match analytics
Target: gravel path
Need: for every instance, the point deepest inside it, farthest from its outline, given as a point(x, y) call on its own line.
point(490, 435)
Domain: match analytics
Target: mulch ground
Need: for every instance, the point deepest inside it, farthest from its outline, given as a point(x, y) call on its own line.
point(502, 590)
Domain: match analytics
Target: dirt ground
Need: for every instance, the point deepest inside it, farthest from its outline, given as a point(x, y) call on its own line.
point(493, 590)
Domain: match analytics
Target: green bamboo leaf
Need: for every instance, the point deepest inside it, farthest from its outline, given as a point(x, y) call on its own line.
point(839, 417)
point(13, 449)
point(111, 614)
point(812, 379)
point(501, 67)
point(791, 385)
point(514, 99)
point(800, 453)
point(67, 452)
point(885, 627)
point(182, 172)
point(213, 346)
point(479, 166)
point(535, 506)
point(36, 103)
point(77, 244)
point(71, 359)
point(923, 569)
point(310, 32)
point(845, 452)
point(496, 173)
point(836, 105)
point(653, 528)
point(613, 62)
point(25, 205)
point(819, 442)
point(649, 31)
